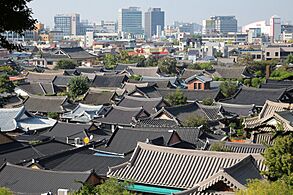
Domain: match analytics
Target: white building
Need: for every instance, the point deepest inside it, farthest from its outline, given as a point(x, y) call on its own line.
point(263, 25)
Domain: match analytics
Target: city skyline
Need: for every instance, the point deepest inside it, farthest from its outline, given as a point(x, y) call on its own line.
point(186, 10)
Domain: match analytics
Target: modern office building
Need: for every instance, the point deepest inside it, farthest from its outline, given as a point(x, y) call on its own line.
point(154, 22)
point(130, 21)
point(220, 24)
point(68, 23)
point(275, 23)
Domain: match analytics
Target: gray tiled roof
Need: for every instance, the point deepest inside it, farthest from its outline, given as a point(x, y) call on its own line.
point(45, 104)
point(145, 71)
point(25, 154)
point(19, 119)
point(109, 81)
point(121, 115)
point(32, 181)
point(124, 140)
point(77, 53)
point(176, 168)
point(240, 110)
point(62, 81)
point(61, 130)
point(193, 95)
point(98, 98)
point(151, 105)
point(37, 88)
point(257, 96)
point(240, 147)
point(230, 72)
point(82, 113)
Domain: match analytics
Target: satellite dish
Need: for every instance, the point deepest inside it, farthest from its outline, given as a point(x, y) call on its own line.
point(91, 137)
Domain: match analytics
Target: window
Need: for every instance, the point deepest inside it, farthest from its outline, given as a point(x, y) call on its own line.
point(199, 86)
point(276, 54)
point(258, 56)
point(268, 54)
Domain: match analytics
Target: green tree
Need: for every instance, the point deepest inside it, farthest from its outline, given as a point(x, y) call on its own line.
point(77, 86)
point(65, 64)
point(113, 186)
point(167, 65)
point(195, 121)
point(247, 82)
point(8, 70)
point(110, 61)
point(5, 191)
point(176, 98)
point(228, 88)
point(135, 77)
point(86, 189)
point(255, 82)
point(151, 61)
point(264, 187)
point(206, 66)
point(279, 159)
point(5, 84)
point(15, 16)
point(219, 147)
point(53, 115)
point(208, 101)
point(289, 59)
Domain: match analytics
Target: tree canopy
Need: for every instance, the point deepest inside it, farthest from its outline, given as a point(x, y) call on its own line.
point(264, 187)
point(65, 64)
point(176, 98)
point(289, 59)
point(110, 186)
point(5, 191)
point(228, 88)
point(167, 65)
point(279, 159)
point(195, 121)
point(16, 17)
point(5, 84)
point(77, 86)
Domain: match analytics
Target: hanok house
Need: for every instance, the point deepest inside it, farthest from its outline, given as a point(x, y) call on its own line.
point(151, 105)
point(109, 81)
point(19, 119)
point(36, 88)
point(153, 171)
point(71, 133)
point(177, 115)
point(42, 105)
point(124, 140)
point(82, 113)
point(93, 97)
point(274, 119)
point(23, 180)
point(258, 96)
point(76, 54)
point(121, 116)
point(198, 82)
point(79, 159)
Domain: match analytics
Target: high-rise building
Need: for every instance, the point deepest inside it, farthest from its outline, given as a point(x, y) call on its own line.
point(154, 20)
point(275, 23)
point(68, 23)
point(130, 20)
point(220, 24)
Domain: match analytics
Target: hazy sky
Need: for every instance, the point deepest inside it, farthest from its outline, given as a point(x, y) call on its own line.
point(181, 10)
